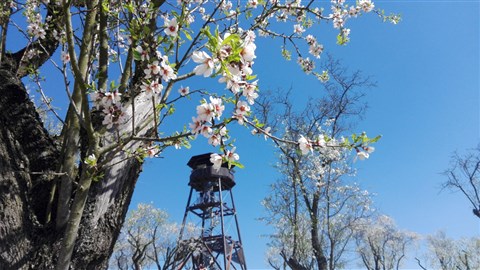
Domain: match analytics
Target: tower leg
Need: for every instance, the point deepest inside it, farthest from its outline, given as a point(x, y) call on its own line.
point(243, 263)
point(181, 233)
point(222, 223)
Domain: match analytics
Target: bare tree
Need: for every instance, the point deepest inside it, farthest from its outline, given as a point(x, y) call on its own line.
point(315, 206)
point(464, 176)
point(147, 239)
point(449, 254)
point(381, 245)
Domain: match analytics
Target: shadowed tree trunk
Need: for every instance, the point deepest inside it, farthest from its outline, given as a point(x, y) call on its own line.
point(28, 159)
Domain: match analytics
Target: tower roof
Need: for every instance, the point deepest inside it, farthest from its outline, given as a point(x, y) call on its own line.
point(203, 159)
point(196, 161)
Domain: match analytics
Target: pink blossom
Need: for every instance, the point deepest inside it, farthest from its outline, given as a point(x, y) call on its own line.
point(241, 111)
point(316, 50)
point(152, 89)
point(114, 115)
point(206, 131)
point(111, 98)
point(366, 5)
point(252, 3)
point(152, 151)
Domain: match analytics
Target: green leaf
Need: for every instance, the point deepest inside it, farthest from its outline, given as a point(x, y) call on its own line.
point(146, 30)
point(286, 54)
point(112, 85)
point(187, 35)
point(129, 7)
point(98, 177)
point(341, 39)
point(233, 40)
point(137, 55)
point(237, 164)
point(171, 110)
point(105, 6)
point(376, 139)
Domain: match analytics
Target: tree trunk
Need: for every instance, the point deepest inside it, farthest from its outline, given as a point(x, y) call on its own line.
point(28, 159)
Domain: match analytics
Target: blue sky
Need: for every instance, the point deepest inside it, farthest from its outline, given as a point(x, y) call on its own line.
point(426, 106)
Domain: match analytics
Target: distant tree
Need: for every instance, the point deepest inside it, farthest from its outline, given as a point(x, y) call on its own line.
point(464, 176)
point(381, 245)
point(147, 239)
point(449, 254)
point(314, 207)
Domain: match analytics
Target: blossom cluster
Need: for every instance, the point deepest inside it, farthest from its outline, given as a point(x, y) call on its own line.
point(307, 65)
point(314, 48)
point(229, 54)
point(109, 103)
point(156, 70)
point(306, 146)
point(229, 157)
point(231, 57)
point(202, 124)
point(36, 27)
point(234, 58)
point(364, 153)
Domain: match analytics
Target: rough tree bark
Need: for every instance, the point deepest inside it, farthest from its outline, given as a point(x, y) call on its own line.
point(28, 159)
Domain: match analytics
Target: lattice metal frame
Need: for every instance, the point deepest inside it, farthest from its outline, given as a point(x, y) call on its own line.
point(214, 248)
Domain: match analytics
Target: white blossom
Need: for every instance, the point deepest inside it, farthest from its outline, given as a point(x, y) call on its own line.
point(216, 160)
point(143, 53)
point(205, 112)
point(232, 156)
point(65, 57)
point(206, 63)
point(298, 29)
point(361, 155)
point(305, 145)
point(366, 5)
point(241, 111)
point(183, 91)
point(152, 69)
point(171, 27)
point(167, 72)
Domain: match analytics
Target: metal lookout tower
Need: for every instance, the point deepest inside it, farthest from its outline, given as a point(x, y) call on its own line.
point(211, 203)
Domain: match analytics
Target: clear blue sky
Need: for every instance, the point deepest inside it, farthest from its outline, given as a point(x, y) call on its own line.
point(426, 105)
